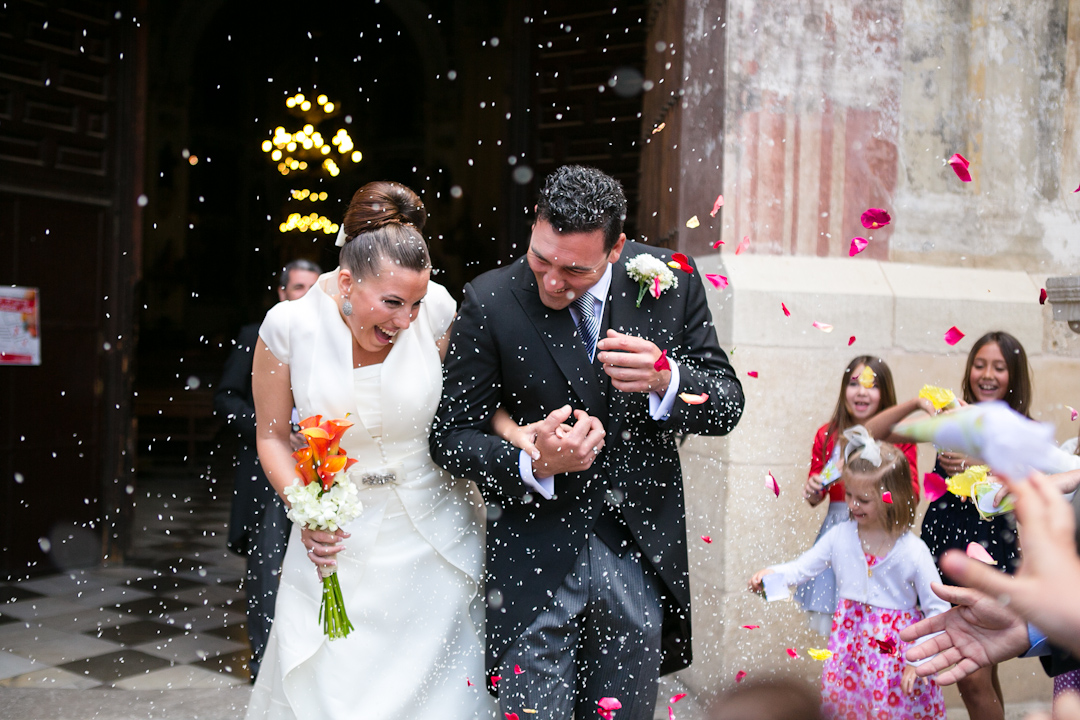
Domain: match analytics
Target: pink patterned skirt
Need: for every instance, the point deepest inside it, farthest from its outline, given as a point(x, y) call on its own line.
point(862, 678)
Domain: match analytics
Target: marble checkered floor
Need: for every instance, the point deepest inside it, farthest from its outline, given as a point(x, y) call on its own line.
point(173, 617)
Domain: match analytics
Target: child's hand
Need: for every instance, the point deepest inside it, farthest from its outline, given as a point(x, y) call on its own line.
point(755, 582)
point(813, 490)
point(908, 680)
point(1002, 493)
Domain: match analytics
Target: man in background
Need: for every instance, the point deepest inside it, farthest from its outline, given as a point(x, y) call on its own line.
point(258, 527)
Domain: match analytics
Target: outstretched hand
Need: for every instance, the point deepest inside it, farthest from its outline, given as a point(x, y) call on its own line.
point(563, 451)
point(629, 362)
point(977, 633)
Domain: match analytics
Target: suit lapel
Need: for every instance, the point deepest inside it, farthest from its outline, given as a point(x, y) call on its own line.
point(559, 336)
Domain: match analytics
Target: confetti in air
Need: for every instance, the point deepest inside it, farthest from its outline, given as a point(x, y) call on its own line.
point(960, 167)
point(752, 373)
point(1073, 414)
point(953, 336)
point(823, 327)
point(771, 484)
point(934, 486)
point(875, 218)
point(886, 497)
point(717, 205)
point(719, 281)
point(787, 313)
point(851, 341)
point(793, 653)
point(677, 698)
point(739, 676)
point(693, 222)
point(978, 552)
point(743, 245)
point(691, 399)
point(1042, 292)
point(858, 244)
point(706, 539)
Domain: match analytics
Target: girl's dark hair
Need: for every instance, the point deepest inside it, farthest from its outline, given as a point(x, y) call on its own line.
point(1019, 393)
point(894, 476)
point(383, 224)
point(841, 419)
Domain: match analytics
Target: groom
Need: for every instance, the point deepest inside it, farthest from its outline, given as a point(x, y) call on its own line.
point(587, 583)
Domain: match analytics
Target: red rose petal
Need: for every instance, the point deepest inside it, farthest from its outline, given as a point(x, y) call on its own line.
point(739, 676)
point(749, 627)
point(743, 245)
point(719, 281)
point(706, 539)
point(717, 244)
point(468, 682)
point(683, 261)
point(875, 218)
point(717, 205)
point(934, 486)
point(787, 313)
point(960, 167)
point(858, 244)
point(511, 716)
point(1042, 296)
point(495, 679)
point(792, 652)
point(953, 336)
point(771, 484)
point(752, 373)
point(662, 363)
point(670, 713)
point(886, 497)
point(886, 647)
point(851, 341)
point(518, 670)
point(1077, 189)
point(677, 698)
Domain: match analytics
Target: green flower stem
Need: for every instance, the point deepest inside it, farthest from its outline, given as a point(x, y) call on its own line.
point(332, 610)
point(643, 286)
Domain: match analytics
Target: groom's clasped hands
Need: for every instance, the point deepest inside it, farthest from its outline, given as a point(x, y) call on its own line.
point(630, 362)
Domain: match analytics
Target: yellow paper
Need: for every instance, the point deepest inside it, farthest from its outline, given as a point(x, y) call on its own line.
point(692, 222)
point(819, 654)
point(961, 484)
point(867, 377)
point(940, 397)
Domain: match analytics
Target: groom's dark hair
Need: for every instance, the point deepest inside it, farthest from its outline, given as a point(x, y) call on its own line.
point(578, 199)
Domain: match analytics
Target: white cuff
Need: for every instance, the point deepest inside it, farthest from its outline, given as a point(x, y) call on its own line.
point(660, 407)
point(545, 486)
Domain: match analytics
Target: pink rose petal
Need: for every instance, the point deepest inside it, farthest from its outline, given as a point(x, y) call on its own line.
point(1042, 296)
point(934, 486)
point(792, 652)
point(743, 245)
point(858, 244)
point(787, 313)
point(656, 287)
point(677, 698)
point(739, 676)
point(953, 336)
point(719, 281)
point(607, 705)
point(706, 539)
point(851, 341)
point(1077, 189)
point(511, 716)
point(978, 552)
point(1072, 413)
point(886, 497)
point(468, 682)
point(752, 373)
point(717, 244)
point(495, 680)
point(518, 670)
point(662, 363)
point(670, 713)
point(691, 399)
point(823, 327)
point(771, 484)
point(960, 167)
point(749, 627)
point(717, 205)
point(875, 218)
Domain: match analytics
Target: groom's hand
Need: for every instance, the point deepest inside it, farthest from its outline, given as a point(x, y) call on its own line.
point(564, 451)
point(629, 362)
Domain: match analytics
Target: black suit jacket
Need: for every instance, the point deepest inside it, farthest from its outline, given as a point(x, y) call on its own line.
point(508, 349)
point(233, 401)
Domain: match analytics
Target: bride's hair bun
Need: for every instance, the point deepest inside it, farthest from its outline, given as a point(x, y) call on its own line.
point(383, 224)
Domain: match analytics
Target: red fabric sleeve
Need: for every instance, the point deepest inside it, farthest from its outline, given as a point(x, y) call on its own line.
point(911, 450)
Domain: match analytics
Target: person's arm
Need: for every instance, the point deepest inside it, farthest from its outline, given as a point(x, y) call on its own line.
point(880, 426)
point(230, 398)
point(810, 563)
point(813, 490)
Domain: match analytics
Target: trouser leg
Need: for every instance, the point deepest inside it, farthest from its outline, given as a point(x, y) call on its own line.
point(270, 536)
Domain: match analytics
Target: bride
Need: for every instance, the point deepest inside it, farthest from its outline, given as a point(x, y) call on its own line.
point(367, 341)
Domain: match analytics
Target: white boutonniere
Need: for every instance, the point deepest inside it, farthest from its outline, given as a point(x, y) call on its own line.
point(651, 274)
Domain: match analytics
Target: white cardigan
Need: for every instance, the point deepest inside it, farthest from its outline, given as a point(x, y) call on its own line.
point(898, 581)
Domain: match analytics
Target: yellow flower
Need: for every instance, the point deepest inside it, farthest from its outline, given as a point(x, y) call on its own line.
point(867, 377)
point(960, 484)
point(819, 654)
point(940, 397)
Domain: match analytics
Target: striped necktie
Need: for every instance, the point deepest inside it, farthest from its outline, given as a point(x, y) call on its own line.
point(588, 324)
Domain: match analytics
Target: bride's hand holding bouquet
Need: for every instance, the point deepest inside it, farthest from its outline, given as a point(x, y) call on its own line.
point(321, 500)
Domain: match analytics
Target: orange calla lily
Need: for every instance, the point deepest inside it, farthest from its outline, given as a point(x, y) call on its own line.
point(305, 465)
point(312, 421)
point(323, 457)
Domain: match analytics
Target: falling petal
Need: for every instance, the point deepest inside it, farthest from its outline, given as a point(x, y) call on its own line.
point(692, 222)
point(867, 377)
point(518, 670)
point(771, 484)
point(978, 552)
point(858, 244)
point(940, 398)
point(691, 399)
point(851, 341)
point(1077, 189)
point(677, 698)
point(823, 327)
point(886, 497)
point(792, 652)
point(706, 539)
point(750, 627)
point(719, 281)
point(739, 676)
point(717, 244)
point(819, 654)
point(656, 287)
point(1042, 292)
point(743, 245)
point(885, 647)
point(681, 262)
point(468, 682)
point(960, 167)
point(511, 716)
point(787, 313)
point(752, 373)
point(495, 679)
point(1072, 413)
point(670, 713)
point(658, 128)
point(934, 486)
point(662, 363)
point(717, 205)
point(875, 218)
point(953, 336)
point(608, 705)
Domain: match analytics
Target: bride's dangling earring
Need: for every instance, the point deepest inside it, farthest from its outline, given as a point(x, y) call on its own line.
point(346, 307)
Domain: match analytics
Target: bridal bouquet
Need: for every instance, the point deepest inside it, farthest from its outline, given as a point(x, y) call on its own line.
point(324, 499)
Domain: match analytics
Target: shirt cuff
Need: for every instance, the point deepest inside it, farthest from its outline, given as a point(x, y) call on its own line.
point(660, 407)
point(1040, 644)
point(545, 486)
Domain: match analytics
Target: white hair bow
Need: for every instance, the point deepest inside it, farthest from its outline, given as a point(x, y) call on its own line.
point(859, 438)
point(341, 239)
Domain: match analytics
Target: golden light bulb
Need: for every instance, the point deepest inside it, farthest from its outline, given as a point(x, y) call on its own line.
point(325, 150)
point(305, 106)
point(321, 99)
point(308, 129)
point(299, 97)
point(266, 145)
point(357, 156)
point(290, 103)
point(276, 155)
point(303, 165)
point(279, 130)
point(322, 195)
point(328, 107)
point(291, 146)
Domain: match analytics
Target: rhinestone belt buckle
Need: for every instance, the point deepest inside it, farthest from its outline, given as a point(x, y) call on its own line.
point(379, 477)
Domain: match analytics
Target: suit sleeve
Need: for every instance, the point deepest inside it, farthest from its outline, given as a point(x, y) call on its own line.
point(231, 397)
point(461, 441)
point(704, 368)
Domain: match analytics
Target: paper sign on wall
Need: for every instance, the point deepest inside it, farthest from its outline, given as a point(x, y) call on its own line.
point(20, 337)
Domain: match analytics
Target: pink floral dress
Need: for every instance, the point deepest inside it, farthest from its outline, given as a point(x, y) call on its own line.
point(862, 678)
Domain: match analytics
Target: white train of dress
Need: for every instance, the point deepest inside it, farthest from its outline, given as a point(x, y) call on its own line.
point(411, 571)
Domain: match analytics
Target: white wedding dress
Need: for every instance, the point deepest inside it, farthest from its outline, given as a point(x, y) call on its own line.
point(410, 573)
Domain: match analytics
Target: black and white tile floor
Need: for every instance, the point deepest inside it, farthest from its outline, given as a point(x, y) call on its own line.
point(173, 617)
